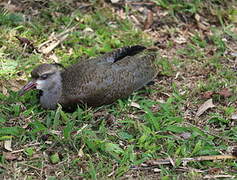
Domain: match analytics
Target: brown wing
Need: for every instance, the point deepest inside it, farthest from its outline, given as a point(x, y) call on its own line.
point(104, 83)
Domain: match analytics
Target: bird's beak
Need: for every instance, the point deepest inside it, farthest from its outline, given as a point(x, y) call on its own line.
point(30, 85)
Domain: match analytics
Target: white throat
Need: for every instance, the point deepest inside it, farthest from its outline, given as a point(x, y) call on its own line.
point(52, 91)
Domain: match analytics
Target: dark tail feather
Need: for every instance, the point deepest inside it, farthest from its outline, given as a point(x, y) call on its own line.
point(125, 51)
point(150, 83)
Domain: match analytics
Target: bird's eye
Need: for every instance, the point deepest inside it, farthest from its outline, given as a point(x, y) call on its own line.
point(44, 76)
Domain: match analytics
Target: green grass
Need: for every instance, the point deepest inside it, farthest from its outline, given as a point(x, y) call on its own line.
point(111, 141)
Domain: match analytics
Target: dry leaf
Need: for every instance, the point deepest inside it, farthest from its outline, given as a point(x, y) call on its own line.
point(8, 145)
point(180, 40)
point(234, 151)
point(10, 156)
point(234, 54)
point(70, 51)
point(214, 170)
point(149, 20)
point(225, 93)
point(88, 30)
point(205, 106)
point(121, 14)
point(234, 116)
point(110, 120)
point(81, 153)
point(53, 41)
point(203, 26)
point(197, 17)
point(16, 85)
point(207, 94)
point(11, 7)
point(4, 91)
point(56, 132)
point(156, 170)
point(185, 135)
point(53, 57)
point(114, 1)
point(133, 104)
point(135, 20)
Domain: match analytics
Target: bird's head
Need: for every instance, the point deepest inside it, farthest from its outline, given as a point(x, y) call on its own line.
point(44, 77)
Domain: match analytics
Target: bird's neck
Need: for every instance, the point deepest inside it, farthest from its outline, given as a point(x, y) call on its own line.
point(51, 97)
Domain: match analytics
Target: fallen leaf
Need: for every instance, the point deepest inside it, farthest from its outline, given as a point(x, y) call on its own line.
point(56, 132)
point(207, 94)
point(225, 93)
point(156, 170)
point(88, 29)
point(10, 156)
point(11, 7)
point(197, 17)
point(36, 156)
point(121, 14)
point(56, 14)
point(149, 20)
point(48, 142)
point(234, 116)
point(185, 135)
point(8, 145)
point(180, 40)
point(114, 1)
point(54, 41)
point(234, 151)
point(133, 104)
point(214, 170)
point(234, 54)
point(70, 51)
point(205, 106)
point(81, 153)
point(4, 91)
point(110, 120)
point(53, 57)
point(203, 26)
point(135, 20)
point(16, 85)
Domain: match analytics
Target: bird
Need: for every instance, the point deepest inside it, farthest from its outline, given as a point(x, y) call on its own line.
point(96, 81)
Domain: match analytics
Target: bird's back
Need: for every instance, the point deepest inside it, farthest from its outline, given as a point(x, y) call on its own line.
point(103, 82)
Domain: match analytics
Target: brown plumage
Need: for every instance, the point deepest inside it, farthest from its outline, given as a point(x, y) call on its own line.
point(96, 81)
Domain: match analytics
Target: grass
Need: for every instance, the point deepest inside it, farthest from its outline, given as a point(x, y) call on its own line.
point(113, 141)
